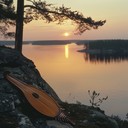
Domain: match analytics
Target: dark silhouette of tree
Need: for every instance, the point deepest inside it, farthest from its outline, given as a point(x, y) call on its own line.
point(41, 10)
point(19, 25)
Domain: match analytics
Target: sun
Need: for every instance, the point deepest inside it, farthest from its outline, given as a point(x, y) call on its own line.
point(66, 34)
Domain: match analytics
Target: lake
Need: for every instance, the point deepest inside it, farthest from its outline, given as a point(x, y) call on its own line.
point(71, 74)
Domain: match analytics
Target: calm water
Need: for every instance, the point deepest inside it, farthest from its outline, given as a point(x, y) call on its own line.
point(71, 74)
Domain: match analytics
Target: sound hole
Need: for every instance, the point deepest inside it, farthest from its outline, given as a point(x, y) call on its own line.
point(35, 95)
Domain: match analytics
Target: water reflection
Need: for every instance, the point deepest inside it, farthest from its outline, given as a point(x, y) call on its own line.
point(66, 51)
point(107, 58)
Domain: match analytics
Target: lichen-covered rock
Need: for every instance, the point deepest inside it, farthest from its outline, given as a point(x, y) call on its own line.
point(6, 102)
point(15, 112)
point(90, 117)
point(24, 121)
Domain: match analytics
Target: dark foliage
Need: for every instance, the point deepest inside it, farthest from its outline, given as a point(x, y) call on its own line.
point(109, 44)
point(49, 13)
point(41, 10)
point(93, 99)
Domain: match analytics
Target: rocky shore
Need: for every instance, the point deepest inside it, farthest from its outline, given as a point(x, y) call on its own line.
point(15, 112)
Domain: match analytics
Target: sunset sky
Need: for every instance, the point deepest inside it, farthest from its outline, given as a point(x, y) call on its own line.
point(114, 11)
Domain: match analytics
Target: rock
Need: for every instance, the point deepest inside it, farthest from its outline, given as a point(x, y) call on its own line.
point(6, 102)
point(15, 112)
point(90, 117)
point(24, 121)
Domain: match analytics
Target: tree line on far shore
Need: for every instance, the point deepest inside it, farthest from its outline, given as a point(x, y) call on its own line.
point(108, 45)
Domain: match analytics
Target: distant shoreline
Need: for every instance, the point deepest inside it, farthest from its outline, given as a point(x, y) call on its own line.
point(55, 42)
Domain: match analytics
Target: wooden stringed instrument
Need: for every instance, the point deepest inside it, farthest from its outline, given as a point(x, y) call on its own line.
point(39, 99)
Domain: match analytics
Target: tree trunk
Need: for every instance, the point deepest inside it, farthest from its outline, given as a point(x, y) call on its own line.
point(19, 25)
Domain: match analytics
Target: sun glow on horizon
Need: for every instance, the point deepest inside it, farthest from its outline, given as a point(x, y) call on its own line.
point(66, 34)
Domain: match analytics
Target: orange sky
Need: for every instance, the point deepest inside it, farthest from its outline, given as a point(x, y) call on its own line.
point(114, 11)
